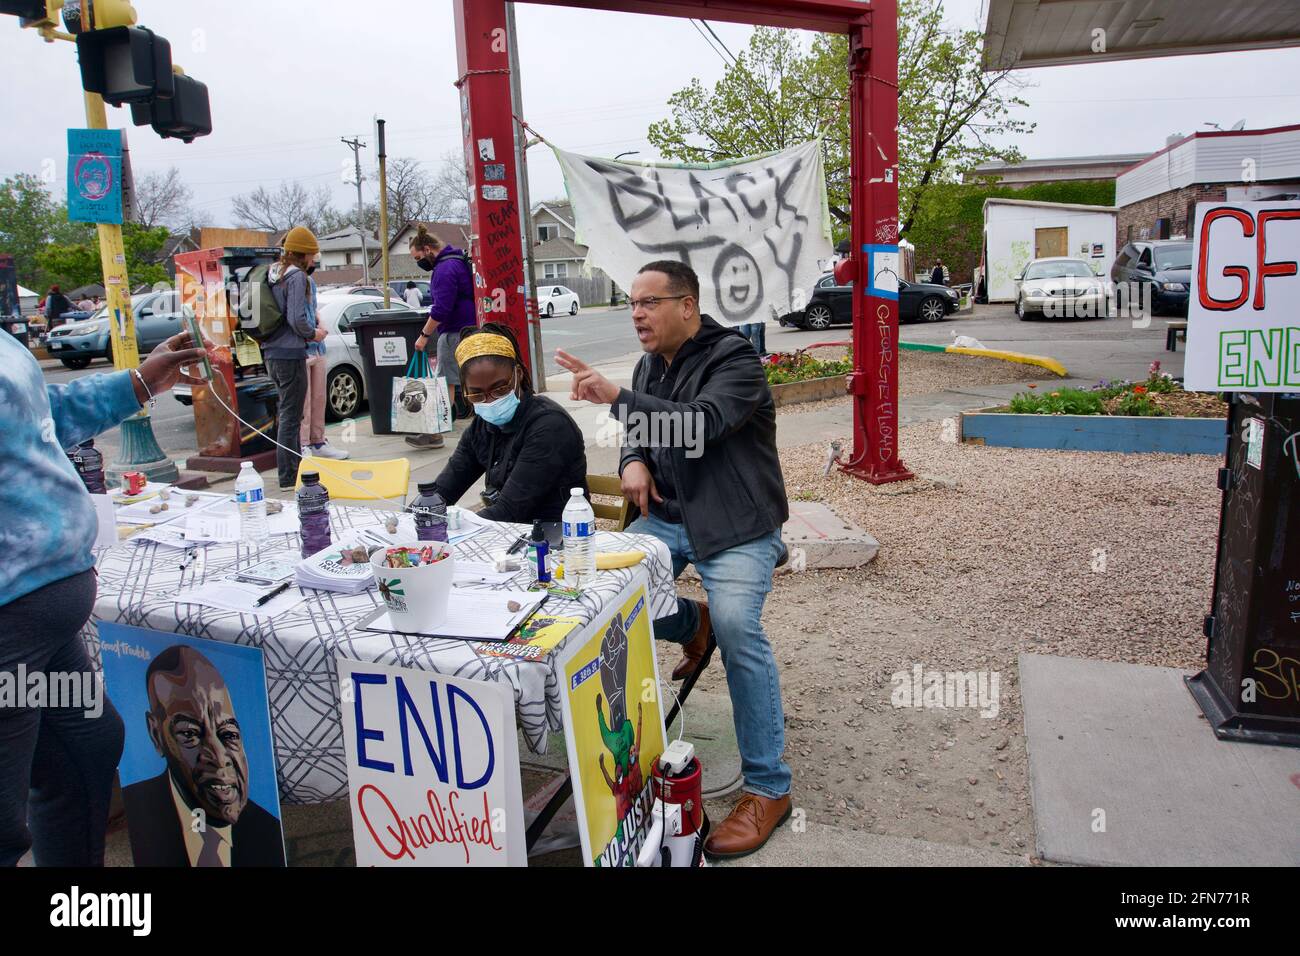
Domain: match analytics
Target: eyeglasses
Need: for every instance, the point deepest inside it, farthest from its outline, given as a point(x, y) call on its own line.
point(492, 394)
point(651, 301)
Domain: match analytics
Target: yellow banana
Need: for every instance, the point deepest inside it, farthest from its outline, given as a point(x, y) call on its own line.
point(608, 560)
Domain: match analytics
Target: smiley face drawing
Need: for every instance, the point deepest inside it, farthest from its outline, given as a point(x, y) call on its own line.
point(738, 282)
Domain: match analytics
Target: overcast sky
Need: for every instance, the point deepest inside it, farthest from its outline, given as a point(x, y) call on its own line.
point(287, 80)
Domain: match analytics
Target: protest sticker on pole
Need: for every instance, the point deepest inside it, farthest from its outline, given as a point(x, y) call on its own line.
point(433, 768)
point(198, 765)
point(1243, 315)
point(613, 726)
point(95, 175)
point(756, 231)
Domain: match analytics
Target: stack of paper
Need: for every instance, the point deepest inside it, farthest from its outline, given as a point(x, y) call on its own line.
point(473, 615)
point(326, 571)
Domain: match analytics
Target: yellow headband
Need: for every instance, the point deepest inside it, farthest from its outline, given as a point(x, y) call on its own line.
point(484, 344)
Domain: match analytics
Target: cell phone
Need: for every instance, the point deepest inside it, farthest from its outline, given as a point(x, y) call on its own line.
point(196, 334)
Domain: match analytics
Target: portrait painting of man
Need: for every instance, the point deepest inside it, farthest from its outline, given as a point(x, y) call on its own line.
point(198, 808)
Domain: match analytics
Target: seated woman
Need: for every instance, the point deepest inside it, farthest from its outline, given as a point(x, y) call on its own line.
point(530, 449)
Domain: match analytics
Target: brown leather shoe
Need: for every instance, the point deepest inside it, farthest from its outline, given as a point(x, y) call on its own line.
point(749, 825)
point(694, 649)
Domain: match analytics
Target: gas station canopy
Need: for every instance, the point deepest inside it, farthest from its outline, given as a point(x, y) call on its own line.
point(1029, 33)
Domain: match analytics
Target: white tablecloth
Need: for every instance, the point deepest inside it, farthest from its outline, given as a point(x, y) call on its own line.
point(138, 586)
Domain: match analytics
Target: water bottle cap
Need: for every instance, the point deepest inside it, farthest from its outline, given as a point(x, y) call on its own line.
point(427, 487)
point(577, 492)
point(310, 477)
point(245, 464)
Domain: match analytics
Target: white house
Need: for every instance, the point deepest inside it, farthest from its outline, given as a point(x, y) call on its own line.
point(1017, 230)
point(341, 249)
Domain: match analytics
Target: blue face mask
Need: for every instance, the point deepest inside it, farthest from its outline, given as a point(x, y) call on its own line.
point(499, 412)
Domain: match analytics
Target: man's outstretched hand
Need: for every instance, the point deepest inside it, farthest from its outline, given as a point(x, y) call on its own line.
point(588, 384)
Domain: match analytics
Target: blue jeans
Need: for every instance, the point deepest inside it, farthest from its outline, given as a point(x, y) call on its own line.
point(737, 581)
point(756, 332)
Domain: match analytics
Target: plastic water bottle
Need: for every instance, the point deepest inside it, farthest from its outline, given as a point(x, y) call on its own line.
point(430, 510)
point(90, 466)
point(313, 514)
point(579, 544)
point(250, 493)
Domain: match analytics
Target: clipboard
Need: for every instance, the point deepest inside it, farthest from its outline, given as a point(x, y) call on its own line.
point(379, 622)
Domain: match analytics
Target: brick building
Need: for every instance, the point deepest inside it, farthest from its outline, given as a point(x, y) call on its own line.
point(1157, 197)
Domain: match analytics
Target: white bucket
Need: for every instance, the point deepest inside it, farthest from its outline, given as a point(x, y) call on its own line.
point(416, 598)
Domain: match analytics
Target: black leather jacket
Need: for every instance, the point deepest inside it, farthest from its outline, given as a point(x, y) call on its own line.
point(733, 492)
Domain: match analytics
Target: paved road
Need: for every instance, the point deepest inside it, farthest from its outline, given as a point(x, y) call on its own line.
point(592, 336)
point(1090, 349)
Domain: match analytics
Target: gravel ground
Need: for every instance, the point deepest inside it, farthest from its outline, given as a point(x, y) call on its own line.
point(993, 552)
point(921, 373)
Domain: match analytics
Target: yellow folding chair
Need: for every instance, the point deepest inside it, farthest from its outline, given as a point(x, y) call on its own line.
point(610, 486)
point(360, 480)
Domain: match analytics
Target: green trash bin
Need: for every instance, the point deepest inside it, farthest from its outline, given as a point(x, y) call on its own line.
point(386, 338)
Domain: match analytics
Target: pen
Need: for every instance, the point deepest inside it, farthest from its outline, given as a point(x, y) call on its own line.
point(270, 594)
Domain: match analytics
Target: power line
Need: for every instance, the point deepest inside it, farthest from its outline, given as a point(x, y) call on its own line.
point(708, 27)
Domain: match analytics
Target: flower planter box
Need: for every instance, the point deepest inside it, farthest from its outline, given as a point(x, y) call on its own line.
point(811, 390)
point(1122, 433)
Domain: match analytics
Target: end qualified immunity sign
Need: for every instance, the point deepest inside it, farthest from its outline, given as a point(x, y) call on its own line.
point(1243, 315)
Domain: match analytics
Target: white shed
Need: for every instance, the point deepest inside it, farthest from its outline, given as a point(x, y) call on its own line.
point(1018, 230)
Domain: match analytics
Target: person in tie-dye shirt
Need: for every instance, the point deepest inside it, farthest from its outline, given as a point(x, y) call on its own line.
point(56, 762)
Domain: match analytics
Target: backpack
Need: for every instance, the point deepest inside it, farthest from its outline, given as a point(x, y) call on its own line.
point(260, 316)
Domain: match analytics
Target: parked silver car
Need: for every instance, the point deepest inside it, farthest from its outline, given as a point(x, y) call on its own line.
point(1060, 287)
point(345, 385)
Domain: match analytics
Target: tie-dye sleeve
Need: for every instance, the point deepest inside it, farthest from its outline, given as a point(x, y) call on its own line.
point(87, 406)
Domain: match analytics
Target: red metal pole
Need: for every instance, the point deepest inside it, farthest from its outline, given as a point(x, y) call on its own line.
point(873, 91)
point(482, 57)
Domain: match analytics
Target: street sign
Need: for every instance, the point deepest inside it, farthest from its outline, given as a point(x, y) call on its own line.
point(95, 175)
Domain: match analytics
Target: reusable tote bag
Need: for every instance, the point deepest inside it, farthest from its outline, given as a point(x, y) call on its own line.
point(421, 404)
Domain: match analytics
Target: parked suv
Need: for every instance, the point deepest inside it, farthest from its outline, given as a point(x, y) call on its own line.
point(157, 318)
point(1163, 264)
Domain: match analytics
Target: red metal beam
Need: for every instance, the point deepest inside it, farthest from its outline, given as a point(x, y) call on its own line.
point(827, 16)
point(483, 64)
point(873, 159)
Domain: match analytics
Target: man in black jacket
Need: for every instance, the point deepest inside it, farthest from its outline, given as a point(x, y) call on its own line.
point(700, 464)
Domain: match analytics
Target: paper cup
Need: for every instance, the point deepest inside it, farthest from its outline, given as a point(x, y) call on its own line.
point(416, 598)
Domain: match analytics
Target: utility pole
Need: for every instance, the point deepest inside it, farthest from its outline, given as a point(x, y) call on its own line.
point(383, 211)
point(357, 146)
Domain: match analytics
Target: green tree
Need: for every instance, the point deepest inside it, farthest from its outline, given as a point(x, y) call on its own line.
point(778, 93)
point(76, 264)
point(30, 221)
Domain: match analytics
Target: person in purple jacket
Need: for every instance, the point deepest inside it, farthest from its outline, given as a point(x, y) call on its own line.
point(451, 312)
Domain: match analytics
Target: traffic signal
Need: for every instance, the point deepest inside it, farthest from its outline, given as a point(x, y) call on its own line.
point(84, 15)
point(34, 13)
point(125, 64)
point(184, 115)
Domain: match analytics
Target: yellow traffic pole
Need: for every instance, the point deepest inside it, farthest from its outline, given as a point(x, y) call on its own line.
point(112, 258)
point(140, 450)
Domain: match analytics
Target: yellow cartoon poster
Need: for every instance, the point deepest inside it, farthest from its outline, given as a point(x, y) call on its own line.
point(614, 726)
